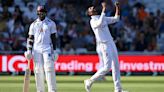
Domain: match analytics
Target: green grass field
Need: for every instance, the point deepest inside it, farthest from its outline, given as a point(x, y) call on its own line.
point(75, 84)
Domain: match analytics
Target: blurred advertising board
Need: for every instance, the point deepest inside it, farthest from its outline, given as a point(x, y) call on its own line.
point(87, 63)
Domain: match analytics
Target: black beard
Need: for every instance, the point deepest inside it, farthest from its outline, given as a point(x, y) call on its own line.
point(41, 18)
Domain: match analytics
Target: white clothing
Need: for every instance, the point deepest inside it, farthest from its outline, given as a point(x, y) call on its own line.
point(43, 62)
point(99, 24)
point(43, 54)
point(98, 50)
point(106, 47)
point(42, 31)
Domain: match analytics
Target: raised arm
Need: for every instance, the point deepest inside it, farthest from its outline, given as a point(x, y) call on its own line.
point(116, 18)
point(100, 20)
point(117, 5)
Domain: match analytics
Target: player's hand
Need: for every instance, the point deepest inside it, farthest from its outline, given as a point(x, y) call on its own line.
point(103, 6)
point(55, 56)
point(28, 55)
point(117, 4)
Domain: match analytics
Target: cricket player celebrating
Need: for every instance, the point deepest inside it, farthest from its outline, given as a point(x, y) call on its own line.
point(105, 43)
point(42, 43)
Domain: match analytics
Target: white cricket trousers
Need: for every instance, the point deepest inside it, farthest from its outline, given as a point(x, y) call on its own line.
point(98, 50)
point(109, 56)
point(44, 64)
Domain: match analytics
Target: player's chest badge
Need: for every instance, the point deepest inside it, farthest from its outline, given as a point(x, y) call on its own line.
point(41, 30)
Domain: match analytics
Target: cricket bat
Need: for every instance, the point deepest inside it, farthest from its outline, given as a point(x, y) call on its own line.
point(27, 78)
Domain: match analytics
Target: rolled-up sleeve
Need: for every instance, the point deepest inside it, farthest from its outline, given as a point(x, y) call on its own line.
point(111, 20)
point(97, 23)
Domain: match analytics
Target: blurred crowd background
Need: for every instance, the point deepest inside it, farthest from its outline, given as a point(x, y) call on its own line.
point(141, 27)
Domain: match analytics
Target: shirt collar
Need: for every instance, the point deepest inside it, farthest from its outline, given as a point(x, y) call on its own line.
point(95, 16)
point(38, 20)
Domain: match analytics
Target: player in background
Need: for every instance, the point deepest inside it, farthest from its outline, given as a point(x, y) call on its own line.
point(41, 44)
point(99, 25)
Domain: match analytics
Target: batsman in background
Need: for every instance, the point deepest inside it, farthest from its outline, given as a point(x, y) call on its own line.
point(42, 43)
point(99, 25)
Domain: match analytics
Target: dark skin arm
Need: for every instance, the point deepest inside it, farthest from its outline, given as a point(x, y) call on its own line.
point(31, 37)
point(53, 38)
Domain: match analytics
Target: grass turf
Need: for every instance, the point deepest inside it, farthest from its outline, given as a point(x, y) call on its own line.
point(75, 84)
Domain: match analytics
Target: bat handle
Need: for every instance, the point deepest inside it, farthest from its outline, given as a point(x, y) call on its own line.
point(28, 64)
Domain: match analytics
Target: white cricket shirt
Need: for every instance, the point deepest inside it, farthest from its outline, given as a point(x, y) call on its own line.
point(42, 31)
point(99, 25)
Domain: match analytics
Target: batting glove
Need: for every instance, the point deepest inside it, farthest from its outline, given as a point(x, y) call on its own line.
point(55, 56)
point(28, 54)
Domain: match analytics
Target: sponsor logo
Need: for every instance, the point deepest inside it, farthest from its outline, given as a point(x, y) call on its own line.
point(87, 63)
